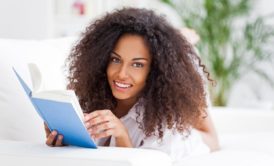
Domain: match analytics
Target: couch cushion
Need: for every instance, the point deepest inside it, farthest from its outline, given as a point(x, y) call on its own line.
point(14, 153)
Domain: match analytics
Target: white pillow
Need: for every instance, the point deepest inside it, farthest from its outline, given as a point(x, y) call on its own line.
point(18, 118)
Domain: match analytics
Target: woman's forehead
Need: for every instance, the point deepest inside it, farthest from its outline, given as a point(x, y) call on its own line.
point(132, 46)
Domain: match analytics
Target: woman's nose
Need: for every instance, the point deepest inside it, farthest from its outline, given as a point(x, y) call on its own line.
point(123, 72)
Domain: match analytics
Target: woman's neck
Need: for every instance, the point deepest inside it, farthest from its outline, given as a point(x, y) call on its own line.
point(123, 107)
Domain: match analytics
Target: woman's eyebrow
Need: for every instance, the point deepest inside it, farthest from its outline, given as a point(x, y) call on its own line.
point(134, 59)
point(115, 54)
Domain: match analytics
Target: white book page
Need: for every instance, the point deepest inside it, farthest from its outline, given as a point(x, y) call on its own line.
point(67, 96)
point(36, 77)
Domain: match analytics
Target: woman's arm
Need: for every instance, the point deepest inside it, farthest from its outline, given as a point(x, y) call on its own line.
point(208, 132)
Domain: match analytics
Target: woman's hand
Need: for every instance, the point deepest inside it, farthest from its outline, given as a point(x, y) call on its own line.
point(103, 123)
point(53, 139)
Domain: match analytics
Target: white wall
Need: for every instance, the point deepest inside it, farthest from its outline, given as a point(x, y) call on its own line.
point(264, 7)
point(27, 19)
point(40, 19)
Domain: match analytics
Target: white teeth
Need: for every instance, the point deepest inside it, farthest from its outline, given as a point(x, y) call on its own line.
point(122, 85)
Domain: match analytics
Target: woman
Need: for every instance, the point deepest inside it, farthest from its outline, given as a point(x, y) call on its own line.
point(139, 83)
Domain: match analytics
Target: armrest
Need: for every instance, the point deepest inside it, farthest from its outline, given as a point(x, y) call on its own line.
point(242, 120)
point(15, 153)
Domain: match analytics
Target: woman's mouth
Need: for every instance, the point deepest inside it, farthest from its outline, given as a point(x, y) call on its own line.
point(122, 86)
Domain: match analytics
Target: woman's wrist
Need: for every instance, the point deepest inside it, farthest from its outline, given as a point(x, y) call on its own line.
point(123, 141)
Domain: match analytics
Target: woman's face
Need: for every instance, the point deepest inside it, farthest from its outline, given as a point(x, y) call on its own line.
point(128, 67)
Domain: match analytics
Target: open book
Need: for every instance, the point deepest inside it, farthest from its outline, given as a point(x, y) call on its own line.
point(60, 110)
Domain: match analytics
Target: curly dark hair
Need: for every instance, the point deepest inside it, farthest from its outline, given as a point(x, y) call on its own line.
point(174, 93)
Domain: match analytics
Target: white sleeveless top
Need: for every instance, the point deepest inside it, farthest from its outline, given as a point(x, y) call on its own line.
point(173, 142)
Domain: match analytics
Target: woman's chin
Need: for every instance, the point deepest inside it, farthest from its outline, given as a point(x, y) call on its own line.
point(121, 97)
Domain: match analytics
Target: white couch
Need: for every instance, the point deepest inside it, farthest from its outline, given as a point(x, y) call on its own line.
point(246, 135)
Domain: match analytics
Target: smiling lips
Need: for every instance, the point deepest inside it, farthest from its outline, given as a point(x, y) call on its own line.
point(121, 86)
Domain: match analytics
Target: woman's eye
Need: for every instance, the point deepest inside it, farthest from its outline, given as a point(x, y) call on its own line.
point(115, 60)
point(139, 65)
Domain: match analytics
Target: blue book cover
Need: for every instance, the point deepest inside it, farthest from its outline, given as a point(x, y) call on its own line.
point(62, 117)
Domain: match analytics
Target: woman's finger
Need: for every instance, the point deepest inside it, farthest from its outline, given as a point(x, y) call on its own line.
point(59, 140)
point(103, 134)
point(95, 114)
point(99, 119)
point(91, 128)
point(51, 138)
point(46, 129)
point(101, 127)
